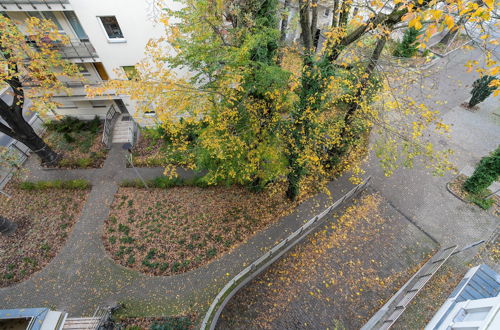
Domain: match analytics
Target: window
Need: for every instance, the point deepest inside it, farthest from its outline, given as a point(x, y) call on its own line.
point(75, 24)
point(83, 69)
point(130, 72)
point(327, 11)
point(99, 103)
point(111, 27)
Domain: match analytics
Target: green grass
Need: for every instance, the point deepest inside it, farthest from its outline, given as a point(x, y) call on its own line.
point(77, 184)
point(165, 182)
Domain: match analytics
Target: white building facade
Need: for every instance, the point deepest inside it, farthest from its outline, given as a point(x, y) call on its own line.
point(108, 37)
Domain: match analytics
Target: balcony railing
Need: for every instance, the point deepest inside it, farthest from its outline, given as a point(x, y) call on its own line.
point(77, 49)
point(33, 3)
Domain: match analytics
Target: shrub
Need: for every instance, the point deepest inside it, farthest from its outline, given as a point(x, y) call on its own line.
point(485, 173)
point(173, 323)
point(78, 184)
point(166, 182)
point(481, 89)
point(408, 46)
point(72, 124)
point(481, 202)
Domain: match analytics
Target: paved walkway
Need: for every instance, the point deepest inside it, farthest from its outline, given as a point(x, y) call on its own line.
point(82, 276)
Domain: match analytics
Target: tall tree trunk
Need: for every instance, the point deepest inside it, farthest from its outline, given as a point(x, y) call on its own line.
point(284, 29)
point(314, 17)
point(335, 14)
point(18, 129)
point(7, 227)
point(305, 25)
point(344, 12)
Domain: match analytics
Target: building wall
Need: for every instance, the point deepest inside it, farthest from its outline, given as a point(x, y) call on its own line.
point(136, 26)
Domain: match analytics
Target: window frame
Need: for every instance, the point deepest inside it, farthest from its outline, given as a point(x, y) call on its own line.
point(111, 40)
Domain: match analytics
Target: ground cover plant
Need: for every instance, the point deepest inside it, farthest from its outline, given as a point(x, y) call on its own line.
point(157, 323)
point(484, 198)
point(79, 142)
point(338, 277)
point(156, 146)
point(169, 231)
point(44, 221)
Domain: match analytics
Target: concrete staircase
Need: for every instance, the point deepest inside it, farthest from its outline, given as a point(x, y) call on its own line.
point(121, 131)
point(82, 323)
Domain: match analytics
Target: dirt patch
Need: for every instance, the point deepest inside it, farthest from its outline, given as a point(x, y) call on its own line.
point(44, 221)
point(465, 105)
point(338, 278)
point(82, 149)
point(169, 231)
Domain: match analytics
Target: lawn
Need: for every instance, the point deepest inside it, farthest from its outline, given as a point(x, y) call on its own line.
point(79, 142)
point(44, 221)
point(169, 231)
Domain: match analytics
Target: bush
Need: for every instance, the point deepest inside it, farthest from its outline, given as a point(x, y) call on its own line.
point(485, 173)
point(164, 182)
point(408, 46)
point(77, 184)
point(173, 323)
point(481, 89)
point(72, 124)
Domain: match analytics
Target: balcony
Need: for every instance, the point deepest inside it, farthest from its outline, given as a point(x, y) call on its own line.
point(22, 5)
point(78, 50)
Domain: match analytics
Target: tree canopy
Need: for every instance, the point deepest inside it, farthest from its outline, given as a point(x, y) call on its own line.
point(233, 99)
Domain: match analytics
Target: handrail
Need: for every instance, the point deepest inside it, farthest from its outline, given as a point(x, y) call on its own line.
point(259, 265)
point(109, 122)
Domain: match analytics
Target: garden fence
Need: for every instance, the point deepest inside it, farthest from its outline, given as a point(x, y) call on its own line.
point(17, 153)
point(259, 265)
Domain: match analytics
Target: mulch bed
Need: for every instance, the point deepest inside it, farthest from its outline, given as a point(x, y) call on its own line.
point(44, 221)
point(455, 186)
point(169, 231)
point(149, 152)
point(87, 151)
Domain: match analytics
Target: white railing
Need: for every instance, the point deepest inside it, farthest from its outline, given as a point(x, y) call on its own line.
point(259, 265)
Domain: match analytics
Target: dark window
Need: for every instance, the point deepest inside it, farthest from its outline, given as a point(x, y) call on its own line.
point(111, 26)
point(75, 24)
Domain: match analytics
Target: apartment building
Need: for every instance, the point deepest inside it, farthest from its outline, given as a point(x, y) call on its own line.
point(106, 37)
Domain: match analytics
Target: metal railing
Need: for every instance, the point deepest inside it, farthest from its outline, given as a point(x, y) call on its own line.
point(109, 122)
point(259, 265)
point(133, 132)
point(17, 152)
point(77, 49)
point(34, 3)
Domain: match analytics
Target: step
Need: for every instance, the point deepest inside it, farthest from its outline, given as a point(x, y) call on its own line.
point(81, 323)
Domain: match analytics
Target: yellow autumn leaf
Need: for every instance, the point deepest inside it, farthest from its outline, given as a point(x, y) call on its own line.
point(449, 21)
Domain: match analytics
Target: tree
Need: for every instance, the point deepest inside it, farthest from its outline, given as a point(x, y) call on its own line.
point(481, 89)
point(408, 46)
point(7, 227)
point(248, 118)
point(32, 67)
